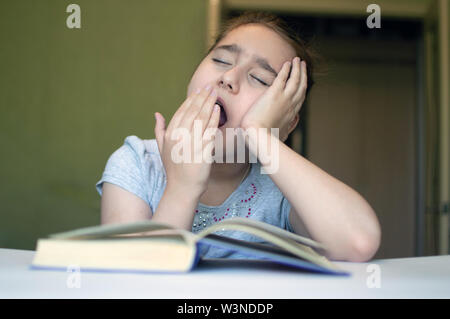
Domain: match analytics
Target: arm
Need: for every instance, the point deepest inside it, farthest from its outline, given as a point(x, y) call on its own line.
point(326, 209)
point(185, 181)
point(121, 206)
point(322, 206)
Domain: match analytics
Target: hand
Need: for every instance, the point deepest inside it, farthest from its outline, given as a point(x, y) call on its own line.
point(191, 174)
point(279, 105)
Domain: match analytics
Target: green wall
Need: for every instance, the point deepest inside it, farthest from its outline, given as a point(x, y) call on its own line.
point(69, 97)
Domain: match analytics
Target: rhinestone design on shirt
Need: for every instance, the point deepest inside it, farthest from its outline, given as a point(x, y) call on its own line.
point(241, 207)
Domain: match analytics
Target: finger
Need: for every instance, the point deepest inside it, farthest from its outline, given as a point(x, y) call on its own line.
point(213, 124)
point(282, 76)
point(205, 113)
point(178, 116)
point(195, 107)
point(301, 91)
point(160, 130)
point(209, 136)
point(293, 82)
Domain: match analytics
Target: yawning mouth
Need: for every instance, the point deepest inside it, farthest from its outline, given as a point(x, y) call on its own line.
point(223, 114)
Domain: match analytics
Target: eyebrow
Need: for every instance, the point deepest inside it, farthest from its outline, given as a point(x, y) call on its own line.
point(234, 48)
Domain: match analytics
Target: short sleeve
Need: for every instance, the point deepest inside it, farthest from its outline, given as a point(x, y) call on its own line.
point(285, 211)
point(125, 168)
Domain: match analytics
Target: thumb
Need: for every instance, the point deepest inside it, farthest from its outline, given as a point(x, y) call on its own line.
point(160, 131)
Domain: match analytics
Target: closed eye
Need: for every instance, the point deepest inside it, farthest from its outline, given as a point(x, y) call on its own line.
point(262, 82)
point(220, 61)
point(223, 62)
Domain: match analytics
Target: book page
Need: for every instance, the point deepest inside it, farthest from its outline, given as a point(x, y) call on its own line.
point(288, 244)
point(108, 230)
point(270, 229)
point(271, 252)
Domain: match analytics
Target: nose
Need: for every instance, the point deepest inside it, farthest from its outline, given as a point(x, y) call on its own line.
point(227, 85)
point(229, 81)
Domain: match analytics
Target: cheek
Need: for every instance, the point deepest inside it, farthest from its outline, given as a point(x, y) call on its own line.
point(200, 78)
point(244, 104)
point(195, 82)
point(251, 98)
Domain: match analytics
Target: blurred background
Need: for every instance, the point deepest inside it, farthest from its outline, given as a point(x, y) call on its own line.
point(377, 117)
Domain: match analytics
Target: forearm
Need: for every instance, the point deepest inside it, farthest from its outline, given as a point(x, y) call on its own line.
point(333, 213)
point(176, 208)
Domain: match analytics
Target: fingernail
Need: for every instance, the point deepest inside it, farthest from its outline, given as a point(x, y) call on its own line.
point(214, 92)
point(216, 107)
point(208, 87)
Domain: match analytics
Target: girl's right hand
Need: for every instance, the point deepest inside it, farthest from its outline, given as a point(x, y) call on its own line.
point(189, 175)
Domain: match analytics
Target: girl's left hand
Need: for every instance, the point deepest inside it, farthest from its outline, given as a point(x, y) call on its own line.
point(278, 106)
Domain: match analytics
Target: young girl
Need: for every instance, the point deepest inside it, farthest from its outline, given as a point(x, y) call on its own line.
point(256, 75)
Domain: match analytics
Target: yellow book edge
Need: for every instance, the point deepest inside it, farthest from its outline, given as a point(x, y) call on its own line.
point(96, 245)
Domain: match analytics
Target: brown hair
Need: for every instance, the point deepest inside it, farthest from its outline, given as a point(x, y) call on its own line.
point(273, 22)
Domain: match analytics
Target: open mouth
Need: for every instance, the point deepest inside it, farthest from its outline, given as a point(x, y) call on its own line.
point(223, 114)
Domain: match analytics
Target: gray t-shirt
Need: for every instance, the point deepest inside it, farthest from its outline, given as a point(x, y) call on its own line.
point(137, 167)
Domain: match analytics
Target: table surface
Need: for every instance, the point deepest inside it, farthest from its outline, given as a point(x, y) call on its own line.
point(418, 277)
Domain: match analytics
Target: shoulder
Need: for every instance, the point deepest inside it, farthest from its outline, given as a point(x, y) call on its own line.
point(145, 153)
point(141, 152)
point(137, 167)
point(141, 147)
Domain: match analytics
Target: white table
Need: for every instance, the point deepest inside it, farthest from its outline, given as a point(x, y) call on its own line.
point(421, 277)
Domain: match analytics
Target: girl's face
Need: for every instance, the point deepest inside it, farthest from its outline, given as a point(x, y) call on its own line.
point(241, 67)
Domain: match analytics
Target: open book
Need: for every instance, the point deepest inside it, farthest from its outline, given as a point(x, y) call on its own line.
point(150, 246)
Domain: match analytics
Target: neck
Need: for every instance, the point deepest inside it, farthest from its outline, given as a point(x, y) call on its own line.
point(228, 172)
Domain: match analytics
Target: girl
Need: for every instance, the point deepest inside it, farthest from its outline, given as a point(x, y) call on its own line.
point(255, 76)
